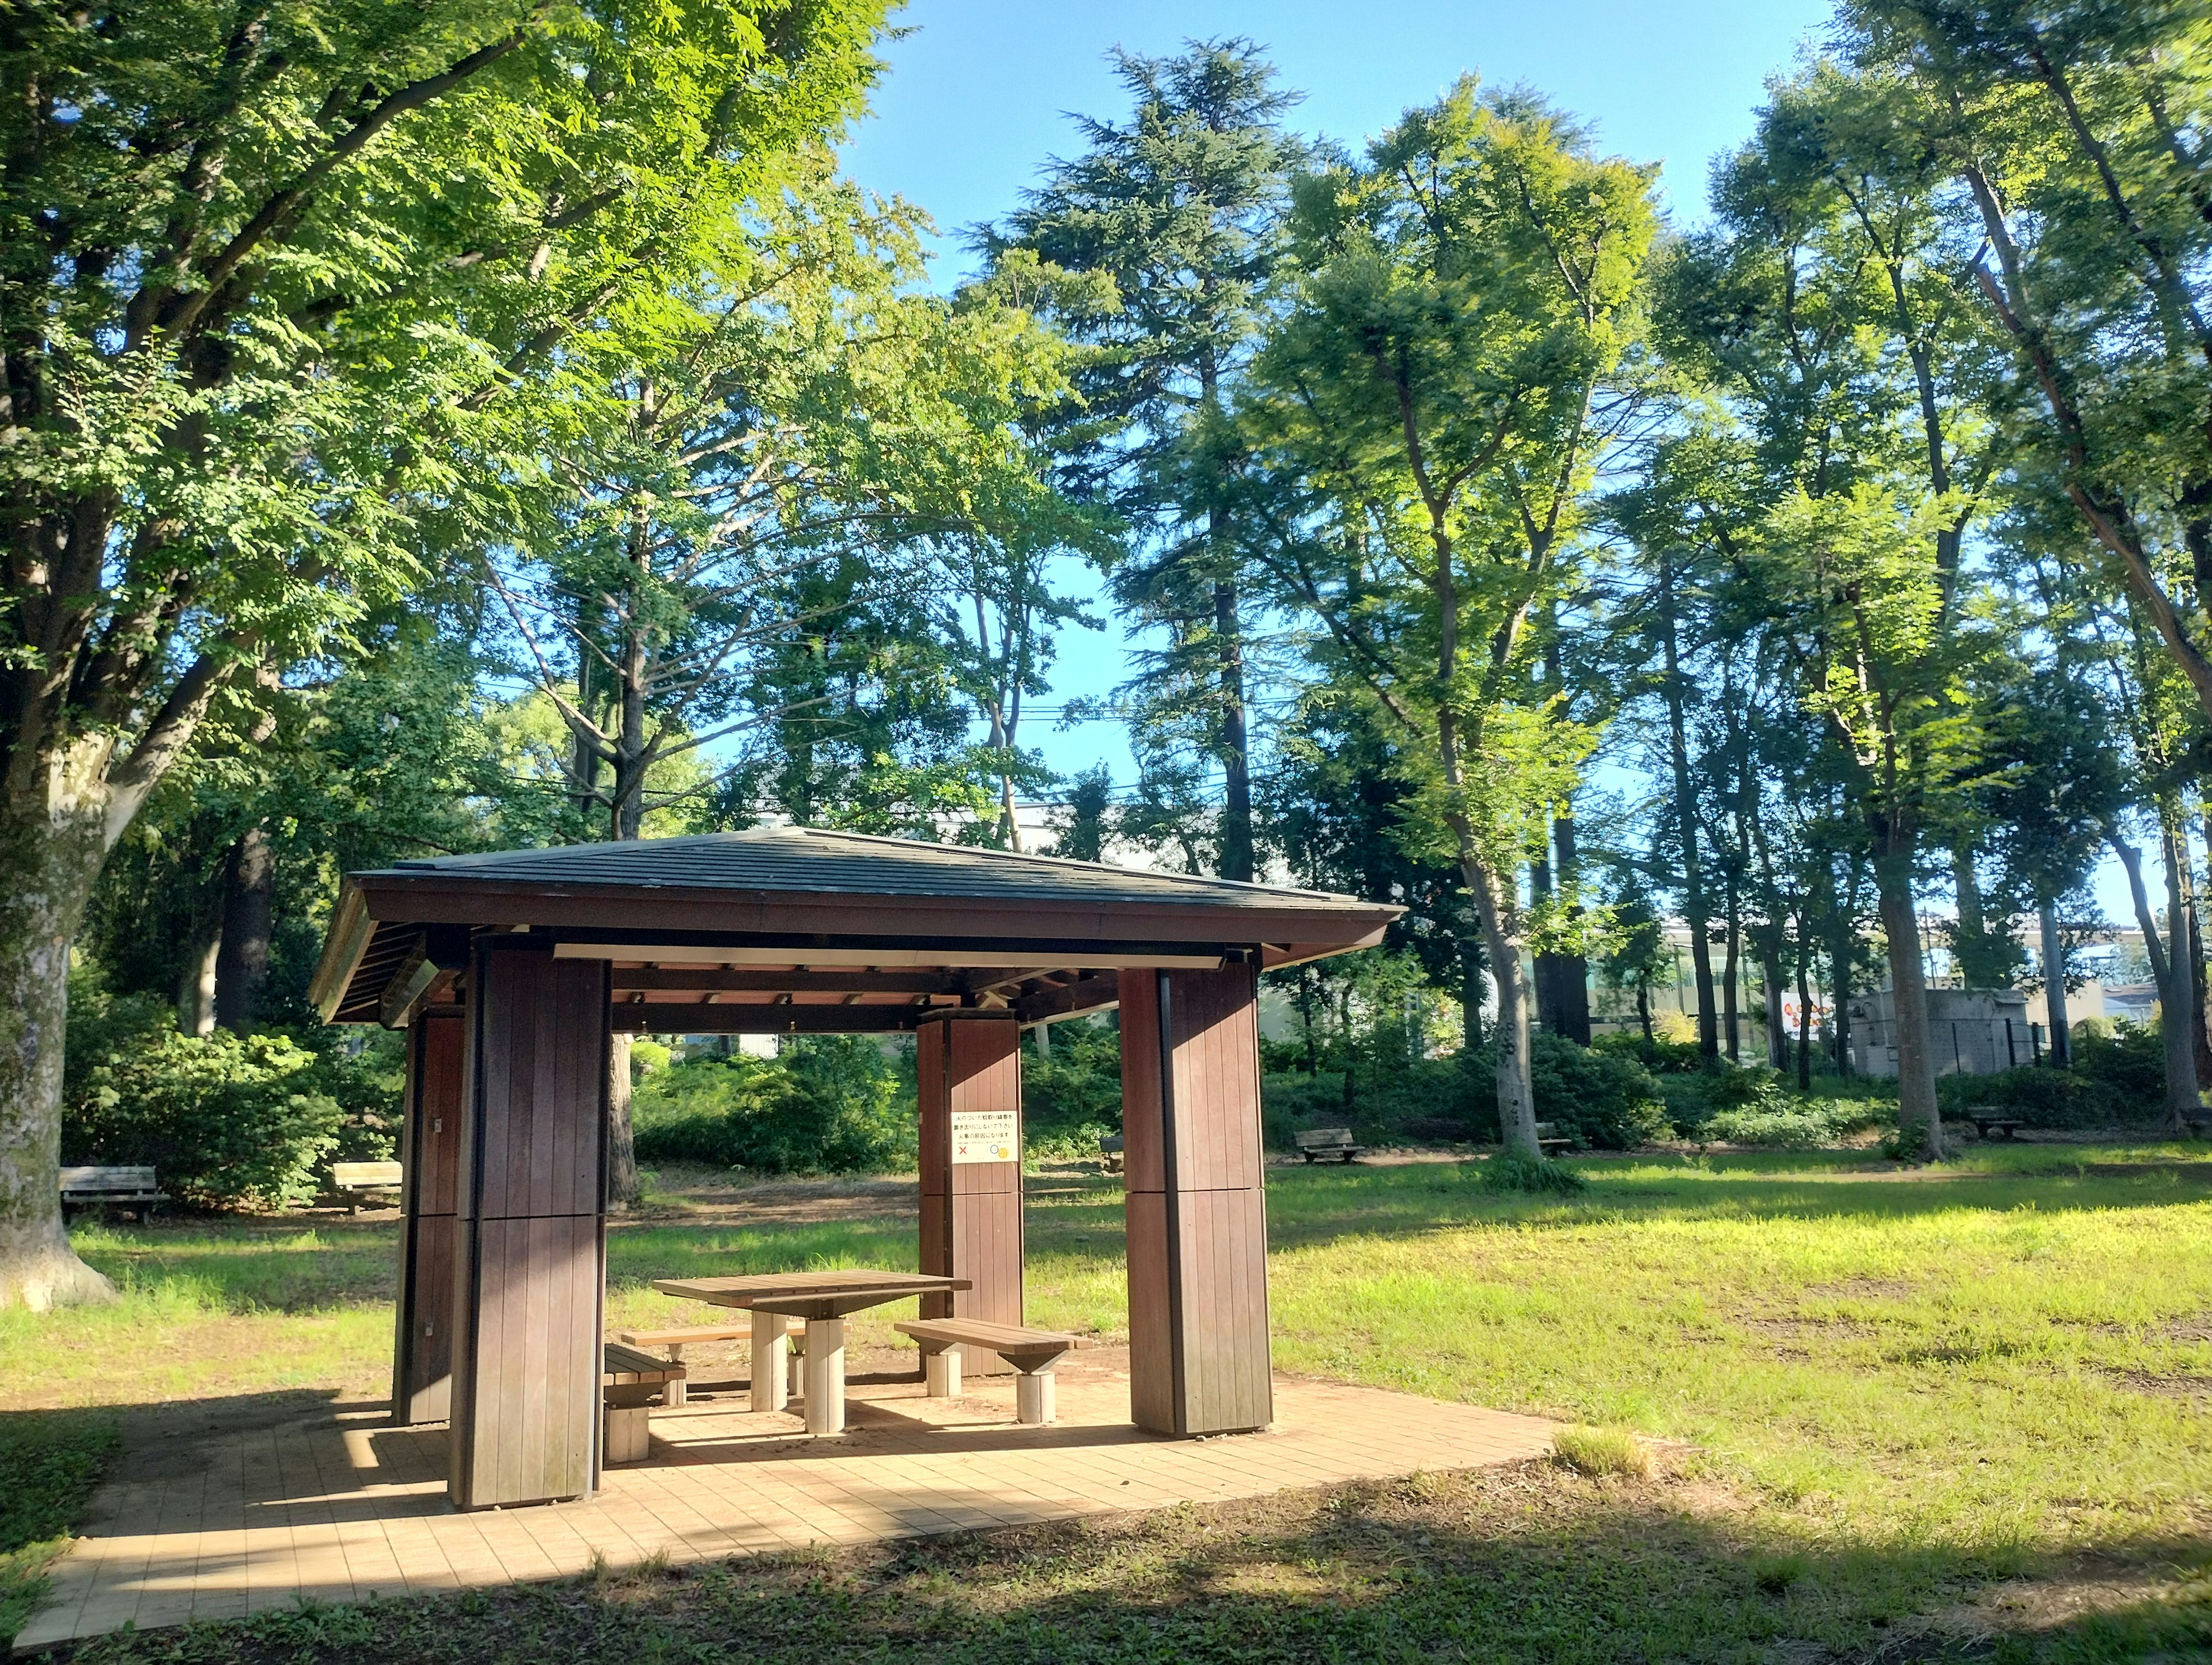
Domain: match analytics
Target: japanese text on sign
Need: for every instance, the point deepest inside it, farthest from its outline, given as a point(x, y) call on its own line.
point(985, 1136)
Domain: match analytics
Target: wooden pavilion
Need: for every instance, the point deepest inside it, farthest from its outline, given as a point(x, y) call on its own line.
point(509, 972)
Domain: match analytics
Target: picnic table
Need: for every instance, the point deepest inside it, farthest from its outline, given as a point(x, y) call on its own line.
point(823, 1299)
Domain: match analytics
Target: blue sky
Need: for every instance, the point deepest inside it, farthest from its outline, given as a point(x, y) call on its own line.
point(979, 92)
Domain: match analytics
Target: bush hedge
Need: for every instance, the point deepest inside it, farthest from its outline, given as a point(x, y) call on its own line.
point(226, 1121)
point(826, 1104)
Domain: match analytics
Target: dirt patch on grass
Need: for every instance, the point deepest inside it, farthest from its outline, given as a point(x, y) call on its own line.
point(2177, 1385)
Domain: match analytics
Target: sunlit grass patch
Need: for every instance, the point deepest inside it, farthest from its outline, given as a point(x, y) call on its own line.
point(1600, 1452)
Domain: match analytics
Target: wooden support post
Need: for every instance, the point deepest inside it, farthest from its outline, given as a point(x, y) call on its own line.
point(1196, 1211)
point(429, 1157)
point(530, 1280)
point(970, 1081)
point(825, 1375)
point(767, 1390)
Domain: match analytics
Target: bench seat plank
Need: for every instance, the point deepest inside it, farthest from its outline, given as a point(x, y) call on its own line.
point(999, 1337)
point(685, 1334)
point(625, 1367)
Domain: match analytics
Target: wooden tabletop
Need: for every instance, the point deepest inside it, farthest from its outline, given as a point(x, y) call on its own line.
point(809, 1294)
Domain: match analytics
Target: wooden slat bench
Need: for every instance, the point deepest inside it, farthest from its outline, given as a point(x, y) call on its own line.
point(107, 1187)
point(1985, 1120)
point(680, 1337)
point(628, 1379)
point(1110, 1153)
point(351, 1182)
point(1549, 1139)
point(1031, 1352)
point(1316, 1143)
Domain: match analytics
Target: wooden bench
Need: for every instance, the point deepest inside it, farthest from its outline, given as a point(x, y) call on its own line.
point(1109, 1154)
point(1984, 1121)
point(1316, 1143)
point(352, 1181)
point(111, 1187)
point(677, 1338)
point(628, 1380)
point(1548, 1138)
point(1031, 1352)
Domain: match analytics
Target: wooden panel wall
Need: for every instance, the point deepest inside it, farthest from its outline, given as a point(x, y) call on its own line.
point(1196, 1209)
point(530, 1273)
point(429, 1155)
point(971, 1212)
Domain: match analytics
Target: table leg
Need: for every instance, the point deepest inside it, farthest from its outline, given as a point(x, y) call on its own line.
point(768, 1386)
point(825, 1375)
point(672, 1393)
point(941, 1370)
point(1034, 1398)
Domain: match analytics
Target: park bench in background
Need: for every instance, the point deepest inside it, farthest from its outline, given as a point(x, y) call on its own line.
point(1987, 1120)
point(628, 1380)
point(353, 1183)
point(1549, 1139)
point(1110, 1153)
point(129, 1189)
point(1316, 1143)
point(1031, 1352)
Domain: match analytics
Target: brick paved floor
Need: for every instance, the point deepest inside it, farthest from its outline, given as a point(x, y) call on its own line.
point(328, 1503)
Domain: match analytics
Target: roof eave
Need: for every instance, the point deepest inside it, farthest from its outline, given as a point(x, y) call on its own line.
point(351, 926)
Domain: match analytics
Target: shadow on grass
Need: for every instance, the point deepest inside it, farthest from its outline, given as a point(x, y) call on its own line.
point(1523, 1563)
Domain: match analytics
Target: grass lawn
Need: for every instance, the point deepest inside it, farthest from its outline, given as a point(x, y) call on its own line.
point(1936, 1414)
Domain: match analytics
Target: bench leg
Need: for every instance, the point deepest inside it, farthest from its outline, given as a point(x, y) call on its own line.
point(1035, 1401)
point(825, 1375)
point(941, 1373)
point(769, 1388)
point(674, 1394)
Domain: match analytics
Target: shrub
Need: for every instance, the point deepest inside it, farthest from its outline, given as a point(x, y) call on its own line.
point(1659, 1055)
point(2129, 1061)
point(1789, 1125)
point(2035, 1097)
point(1602, 1452)
point(1603, 1100)
point(227, 1120)
point(826, 1104)
point(1077, 1084)
point(1532, 1175)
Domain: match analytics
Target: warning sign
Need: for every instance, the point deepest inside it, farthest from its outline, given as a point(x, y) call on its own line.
point(985, 1136)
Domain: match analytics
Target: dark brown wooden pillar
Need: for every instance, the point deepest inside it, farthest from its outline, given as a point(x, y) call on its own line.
point(429, 1156)
point(969, 1073)
point(530, 1276)
point(1197, 1214)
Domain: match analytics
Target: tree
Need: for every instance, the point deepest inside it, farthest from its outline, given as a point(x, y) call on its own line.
point(2078, 135)
point(1427, 416)
point(268, 274)
point(1180, 209)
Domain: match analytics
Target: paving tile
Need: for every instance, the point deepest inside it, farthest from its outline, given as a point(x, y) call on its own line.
point(338, 1509)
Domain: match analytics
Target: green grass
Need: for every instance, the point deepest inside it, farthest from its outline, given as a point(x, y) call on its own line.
point(1892, 1396)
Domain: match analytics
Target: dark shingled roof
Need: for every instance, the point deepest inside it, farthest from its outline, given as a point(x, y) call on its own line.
point(805, 859)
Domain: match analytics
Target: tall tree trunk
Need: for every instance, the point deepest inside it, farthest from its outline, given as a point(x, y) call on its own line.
point(195, 981)
point(1236, 856)
point(1471, 991)
point(1694, 913)
point(1804, 1009)
point(1915, 1060)
point(1643, 1009)
point(2195, 955)
point(1730, 962)
point(1777, 1027)
point(1572, 992)
point(1546, 978)
point(1516, 1094)
point(1976, 960)
point(2172, 975)
point(51, 852)
point(249, 897)
point(2052, 948)
point(622, 1190)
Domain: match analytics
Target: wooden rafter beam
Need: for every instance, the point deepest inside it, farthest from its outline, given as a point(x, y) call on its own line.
point(661, 979)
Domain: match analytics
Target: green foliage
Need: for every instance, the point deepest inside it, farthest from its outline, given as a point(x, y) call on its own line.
point(1532, 1175)
point(49, 1462)
point(1599, 1099)
point(226, 1120)
point(825, 1104)
point(1602, 1452)
point(1784, 1123)
point(1076, 1087)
